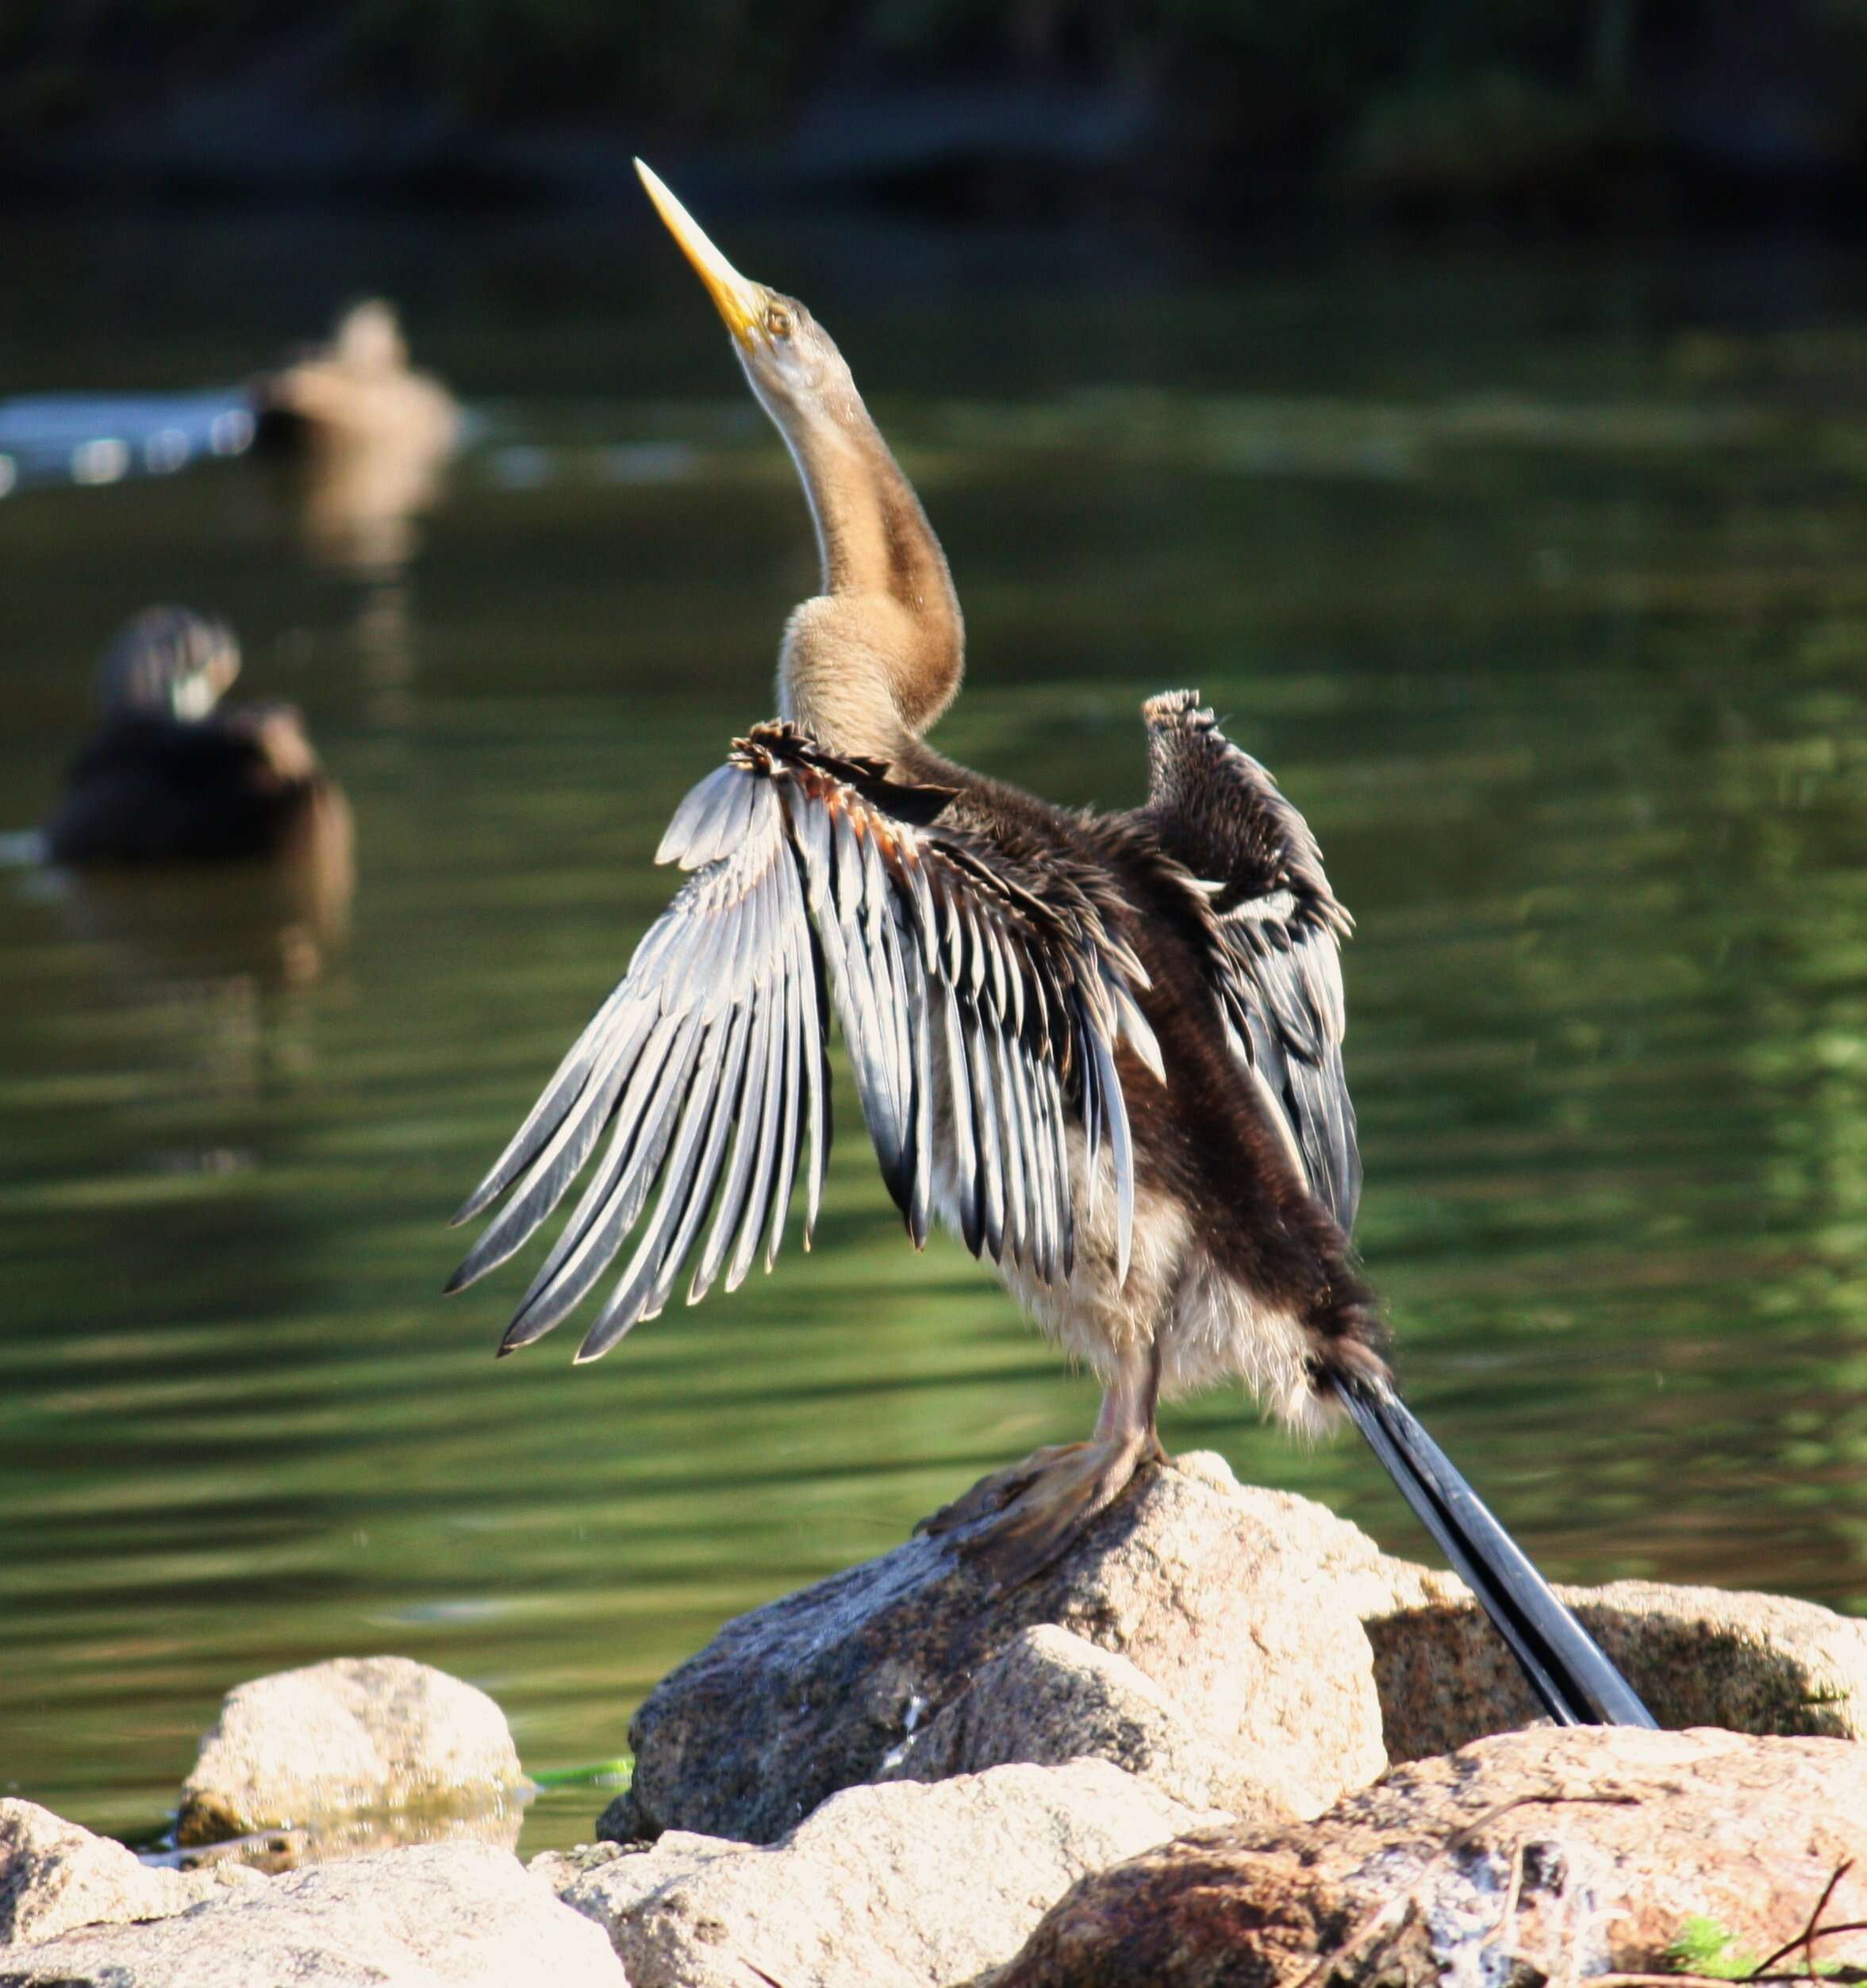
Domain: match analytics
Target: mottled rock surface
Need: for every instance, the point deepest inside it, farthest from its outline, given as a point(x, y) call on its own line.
point(1049, 1697)
point(438, 1916)
point(54, 1875)
point(359, 1732)
point(1548, 1855)
point(1229, 1643)
point(1237, 1603)
point(901, 1886)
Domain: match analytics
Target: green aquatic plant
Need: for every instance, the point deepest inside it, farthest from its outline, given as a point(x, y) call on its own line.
point(604, 1774)
point(1702, 1946)
point(1709, 1952)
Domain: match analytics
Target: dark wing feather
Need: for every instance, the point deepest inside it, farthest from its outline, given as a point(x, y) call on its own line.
point(1275, 928)
point(974, 1009)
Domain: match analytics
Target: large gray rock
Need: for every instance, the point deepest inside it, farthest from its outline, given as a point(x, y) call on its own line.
point(356, 1733)
point(437, 1916)
point(1243, 1647)
point(901, 1886)
point(1548, 1855)
point(54, 1875)
point(1049, 1697)
point(1232, 1601)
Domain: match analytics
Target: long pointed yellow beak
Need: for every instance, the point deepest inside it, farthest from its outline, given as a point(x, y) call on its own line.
point(739, 300)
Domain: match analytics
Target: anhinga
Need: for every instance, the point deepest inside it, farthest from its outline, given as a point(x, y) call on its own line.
point(1105, 1049)
point(172, 775)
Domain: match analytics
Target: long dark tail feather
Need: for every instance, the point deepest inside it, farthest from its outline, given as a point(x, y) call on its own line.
point(1564, 1664)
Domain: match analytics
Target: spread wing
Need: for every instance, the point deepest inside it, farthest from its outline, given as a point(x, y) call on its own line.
point(1276, 928)
point(978, 1013)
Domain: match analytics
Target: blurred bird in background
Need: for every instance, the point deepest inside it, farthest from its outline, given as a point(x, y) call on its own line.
point(173, 775)
point(364, 436)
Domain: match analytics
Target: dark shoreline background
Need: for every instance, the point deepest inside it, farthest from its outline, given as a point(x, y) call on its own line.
point(1580, 114)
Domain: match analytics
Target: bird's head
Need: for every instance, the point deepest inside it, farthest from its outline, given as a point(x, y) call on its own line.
point(794, 368)
point(876, 656)
point(167, 660)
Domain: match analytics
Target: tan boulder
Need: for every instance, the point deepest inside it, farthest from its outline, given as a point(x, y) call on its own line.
point(1698, 1655)
point(370, 1734)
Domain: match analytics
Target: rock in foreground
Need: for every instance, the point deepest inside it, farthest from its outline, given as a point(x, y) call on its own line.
point(356, 1733)
point(437, 1916)
point(902, 1886)
point(1232, 1645)
point(54, 1875)
point(1544, 1855)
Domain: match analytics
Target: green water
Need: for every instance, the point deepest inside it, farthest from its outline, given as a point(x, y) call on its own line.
point(1542, 582)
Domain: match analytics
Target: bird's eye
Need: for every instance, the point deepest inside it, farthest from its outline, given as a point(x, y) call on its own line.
point(778, 321)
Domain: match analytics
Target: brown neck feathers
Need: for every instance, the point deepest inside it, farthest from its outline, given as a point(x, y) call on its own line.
point(888, 613)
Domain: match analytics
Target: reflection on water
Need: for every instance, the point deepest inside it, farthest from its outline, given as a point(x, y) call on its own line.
point(496, 1820)
point(353, 501)
point(276, 923)
point(1555, 635)
point(101, 438)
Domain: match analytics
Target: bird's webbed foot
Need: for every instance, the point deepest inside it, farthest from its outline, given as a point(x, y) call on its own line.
point(1017, 1521)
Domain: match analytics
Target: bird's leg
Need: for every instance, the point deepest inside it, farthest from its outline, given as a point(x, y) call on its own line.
point(1017, 1521)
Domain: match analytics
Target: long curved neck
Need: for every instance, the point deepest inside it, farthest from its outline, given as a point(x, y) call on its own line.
point(876, 659)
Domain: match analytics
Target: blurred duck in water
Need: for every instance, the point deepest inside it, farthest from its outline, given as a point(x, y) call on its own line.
point(359, 387)
point(170, 776)
point(365, 435)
